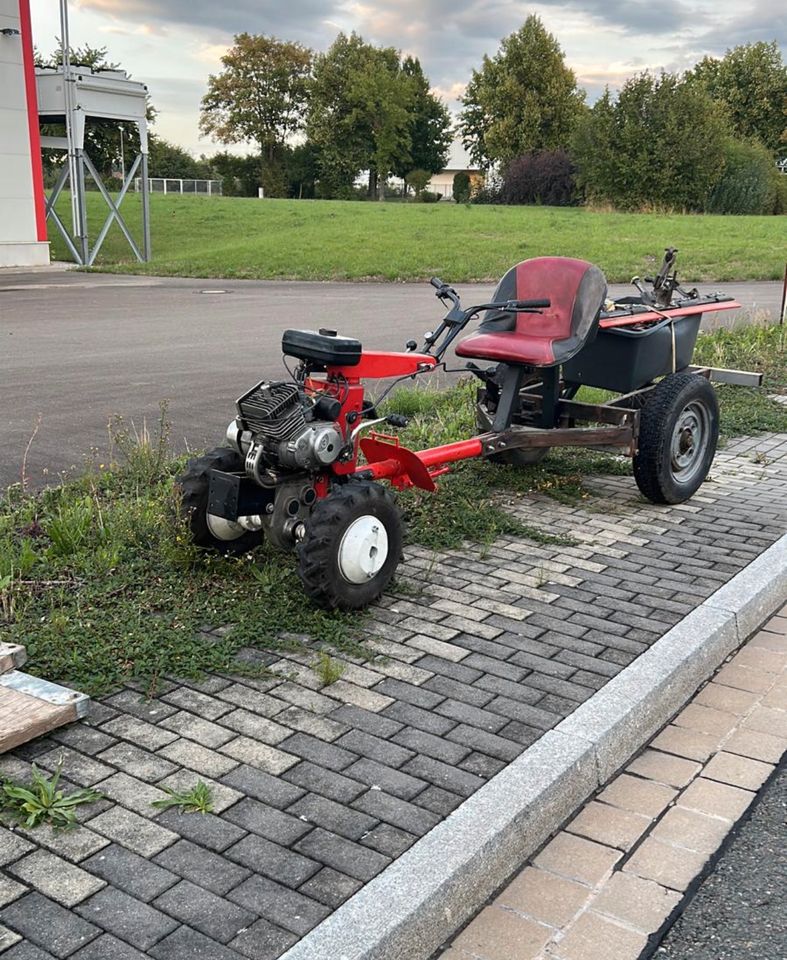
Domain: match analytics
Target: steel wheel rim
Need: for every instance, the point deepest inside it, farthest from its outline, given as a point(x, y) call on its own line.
point(363, 549)
point(689, 441)
point(223, 529)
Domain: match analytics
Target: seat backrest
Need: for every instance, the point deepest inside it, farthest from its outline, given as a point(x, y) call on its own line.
point(576, 289)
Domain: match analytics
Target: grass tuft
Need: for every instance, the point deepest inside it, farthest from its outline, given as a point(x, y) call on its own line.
point(42, 802)
point(197, 800)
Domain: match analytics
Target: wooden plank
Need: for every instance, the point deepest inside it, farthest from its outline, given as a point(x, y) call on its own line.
point(12, 656)
point(31, 707)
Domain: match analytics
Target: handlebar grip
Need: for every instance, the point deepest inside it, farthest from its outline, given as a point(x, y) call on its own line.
point(527, 304)
point(437, 283)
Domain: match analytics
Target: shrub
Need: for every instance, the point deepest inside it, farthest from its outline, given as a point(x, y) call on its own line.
point(747, 184)
point(541, 176)
point(429, 196)
point(418, 179)
point(461, 188)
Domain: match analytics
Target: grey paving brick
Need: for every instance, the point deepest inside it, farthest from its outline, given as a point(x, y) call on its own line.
point(134, 794)
point(323, 727)
point(262, 786)
point(393, 781)
point(201, 866)
point(140, 732)
point(55, 878)
point(261, 755)
point(107, 947)
point(134, 703)
point(133, 831)
point(188, 944)
point(481, 765)
point(472, 716)
point(443, 775)
point(82, 770)
point(263, 856)
point(388, 840)
point(201, 704)
point(74, 845)
point(418, 741)
point(258, 728)
point(12, 847)
point(342, 854)
point(127, 918)
point(48, 925)
point(205, 732)
point(330, 887)
point(462, 672)
point(593, 664)
point(475, 696)
point(335, 786)
point(375, 748)
point(197, 907)
point(520, 733)
point(130, 872)
point(490, 744)
point(288, 909)
point(185, 780)
point(408, 692)
point(267, 821)
point(10, 890)
point(263, 941)
point(206, 829)
point(24, 950)
point(426, 720)
point(198, 758)
point(521, 691)
point(137, 762)
point(83, 738)
point(318, 751)
point(376, 724)
point(335, 817)
point(399, 813)
point(524, 712)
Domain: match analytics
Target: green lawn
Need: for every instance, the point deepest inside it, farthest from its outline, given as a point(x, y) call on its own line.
point(340, 240)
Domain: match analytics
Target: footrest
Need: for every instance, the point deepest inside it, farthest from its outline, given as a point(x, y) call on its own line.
point(31, 707)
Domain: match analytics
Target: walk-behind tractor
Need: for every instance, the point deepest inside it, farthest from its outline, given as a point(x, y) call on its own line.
point(303, 460)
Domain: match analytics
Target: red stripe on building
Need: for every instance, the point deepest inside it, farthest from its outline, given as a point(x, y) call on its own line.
point(32, 117)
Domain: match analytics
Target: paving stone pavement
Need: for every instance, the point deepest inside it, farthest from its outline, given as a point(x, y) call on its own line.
point(317, 789)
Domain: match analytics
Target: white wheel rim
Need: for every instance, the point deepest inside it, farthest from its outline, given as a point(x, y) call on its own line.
point(223, 529)
point(363, 549)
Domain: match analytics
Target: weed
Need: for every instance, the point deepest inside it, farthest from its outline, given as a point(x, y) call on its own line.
point(42, 802)
point(197, 800)
point(328, 669)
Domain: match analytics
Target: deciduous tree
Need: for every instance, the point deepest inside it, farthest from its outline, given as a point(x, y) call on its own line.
point(524, 98)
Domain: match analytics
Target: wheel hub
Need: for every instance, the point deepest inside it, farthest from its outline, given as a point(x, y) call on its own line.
point(689, 440)
point(363, 549)
point(223, 529)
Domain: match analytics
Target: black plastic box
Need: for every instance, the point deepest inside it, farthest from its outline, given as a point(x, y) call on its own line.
point(321, 349)
point(622, 359)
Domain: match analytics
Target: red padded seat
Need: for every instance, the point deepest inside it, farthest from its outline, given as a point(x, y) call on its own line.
point(576, 289)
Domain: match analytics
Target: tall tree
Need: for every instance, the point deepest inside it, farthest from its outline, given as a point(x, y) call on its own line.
point(258, 97)
point(430, 124)
point(750, 81)
point(359, 112)
point(661, 143)
point(524, 98)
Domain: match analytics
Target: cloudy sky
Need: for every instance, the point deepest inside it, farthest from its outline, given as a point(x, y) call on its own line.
point(172, 45)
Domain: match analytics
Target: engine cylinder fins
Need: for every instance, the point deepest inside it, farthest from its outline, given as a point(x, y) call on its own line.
point(273, 410)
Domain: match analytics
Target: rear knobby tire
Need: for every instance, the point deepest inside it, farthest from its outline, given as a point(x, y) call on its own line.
point(351, 546)
point(213, 533)
point(678, 433)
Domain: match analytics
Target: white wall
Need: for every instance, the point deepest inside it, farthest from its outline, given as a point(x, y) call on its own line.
point(19, 243)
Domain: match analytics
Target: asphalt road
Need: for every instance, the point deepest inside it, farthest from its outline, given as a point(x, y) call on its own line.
point(740, 911)
point(77, 349)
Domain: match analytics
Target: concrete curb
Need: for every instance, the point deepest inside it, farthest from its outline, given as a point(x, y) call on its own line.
point(415, 905)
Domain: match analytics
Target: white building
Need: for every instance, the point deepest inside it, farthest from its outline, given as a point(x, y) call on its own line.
point(23, 239)
point(458, 162)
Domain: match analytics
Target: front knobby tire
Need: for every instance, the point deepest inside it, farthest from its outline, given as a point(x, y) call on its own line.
point(211, 532)
point(351, 546)
point(678, 433)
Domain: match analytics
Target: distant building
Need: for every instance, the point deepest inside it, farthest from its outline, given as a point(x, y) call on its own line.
point(458, 162)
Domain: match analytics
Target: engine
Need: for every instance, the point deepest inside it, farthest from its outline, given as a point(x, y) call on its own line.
point(279, 425)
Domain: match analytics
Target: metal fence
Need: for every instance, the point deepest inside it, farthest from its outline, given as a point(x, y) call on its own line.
point(208, 188)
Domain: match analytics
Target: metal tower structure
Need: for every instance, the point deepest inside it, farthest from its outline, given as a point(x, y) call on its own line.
point(71, 95)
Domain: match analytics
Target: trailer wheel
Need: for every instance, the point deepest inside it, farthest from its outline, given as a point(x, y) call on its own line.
point(678, 432)
point(207, 530)
point(351, 546)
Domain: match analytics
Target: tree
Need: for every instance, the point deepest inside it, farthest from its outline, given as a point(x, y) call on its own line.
point(418, 180)
point(461, 187)
point(543, 176)
point(524, 98)
point(259, 97)
point(360, 112)
point(750, 82)
point(661, 143)
point(166, 159)
point(429, 127)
